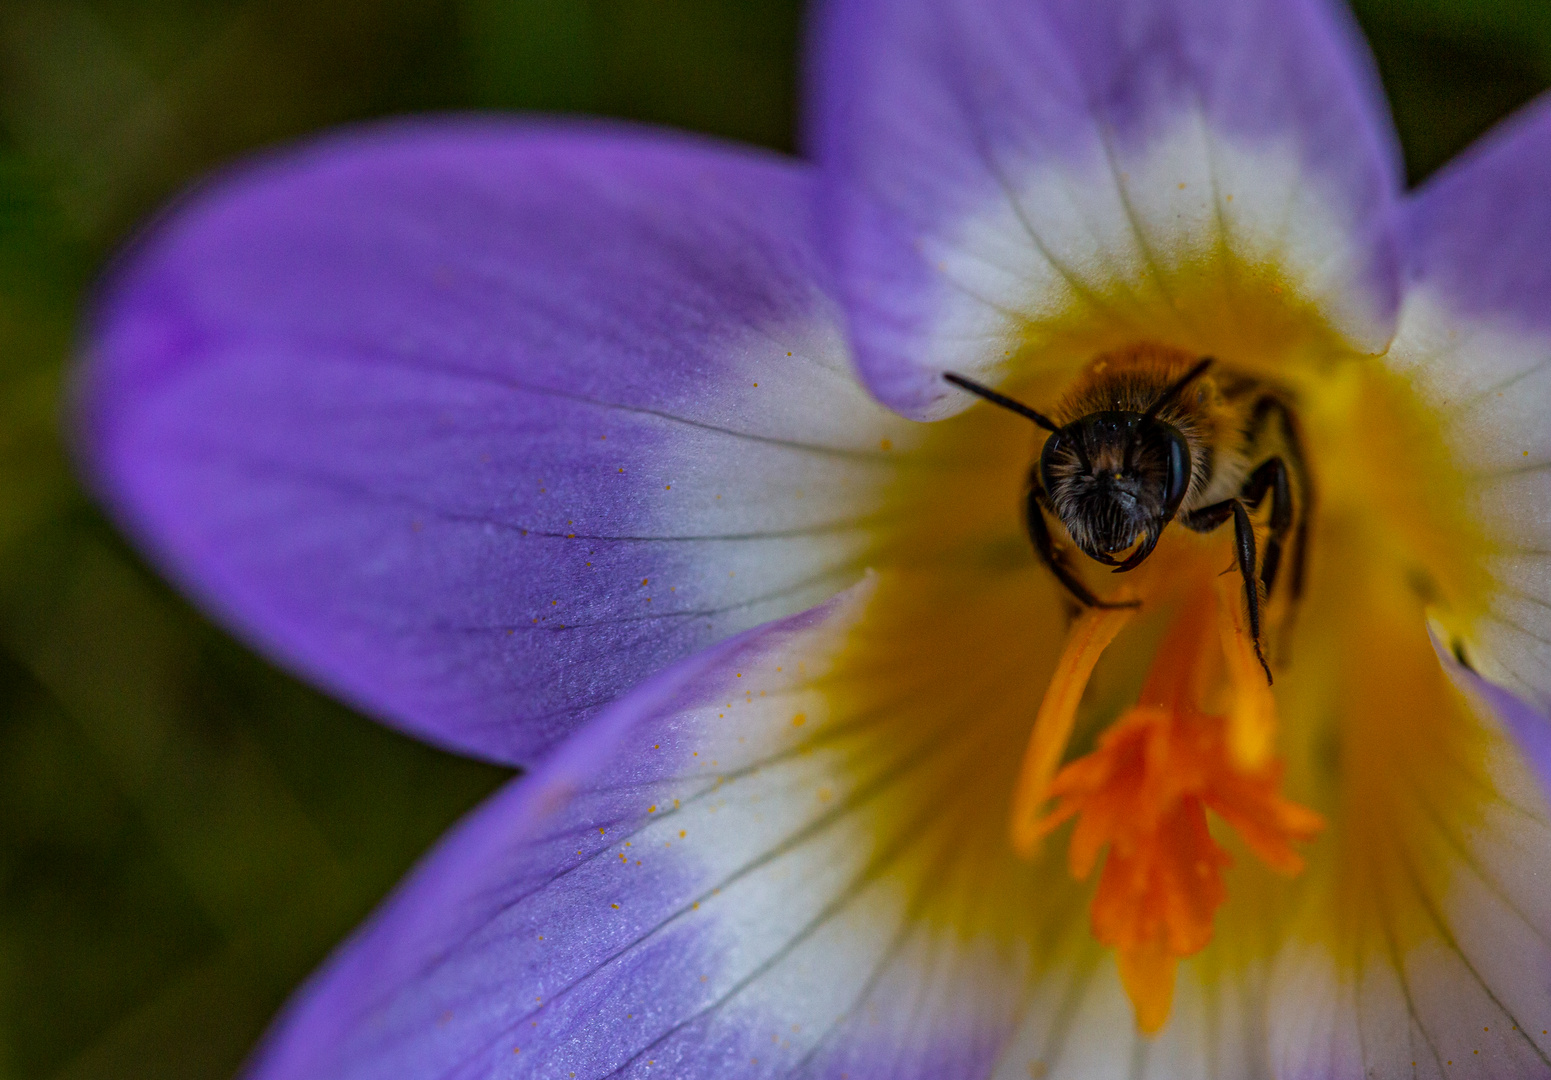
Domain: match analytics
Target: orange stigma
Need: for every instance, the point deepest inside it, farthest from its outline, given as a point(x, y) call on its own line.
point(1200, 737)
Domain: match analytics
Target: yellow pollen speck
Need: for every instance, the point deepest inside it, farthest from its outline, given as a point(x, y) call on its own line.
point(643, 581)
point(885, 445)
point(667, 487)
point(788, 354)
point(756, 384)
point(1230, 198)
point(1182, 185)
point(621, 470)
point(614, 906)
point(651, 809)
point(681, 834)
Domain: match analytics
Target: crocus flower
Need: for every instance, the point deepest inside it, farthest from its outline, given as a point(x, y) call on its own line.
point(600, 451)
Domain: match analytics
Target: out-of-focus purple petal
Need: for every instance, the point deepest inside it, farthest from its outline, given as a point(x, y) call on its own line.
point(988, 164)
point(1475, 333)
point(479, 422)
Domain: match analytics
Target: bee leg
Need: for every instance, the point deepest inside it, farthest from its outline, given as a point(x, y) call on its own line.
point(1039, 533)
point(1271, 477)
point(1208, 518)
point(1292, 451)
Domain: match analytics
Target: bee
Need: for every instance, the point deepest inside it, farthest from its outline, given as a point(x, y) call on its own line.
point(1146, 435)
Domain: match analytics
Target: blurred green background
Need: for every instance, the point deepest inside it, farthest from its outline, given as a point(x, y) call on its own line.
point(184, 831)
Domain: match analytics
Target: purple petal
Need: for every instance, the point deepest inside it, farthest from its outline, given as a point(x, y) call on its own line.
point(763, 863)
point(1475, 334)
point(989, 165)
point(1477, 231)
point(479, 422)
point(633, 909)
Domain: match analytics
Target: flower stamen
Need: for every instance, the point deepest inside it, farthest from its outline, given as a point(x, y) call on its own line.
point(1200, 737)
point(1089, 637)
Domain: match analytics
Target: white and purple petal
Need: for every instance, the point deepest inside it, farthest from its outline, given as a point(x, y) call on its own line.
point(1475, 333)
point(479, 422)
point(686, 889)
point(992, 166)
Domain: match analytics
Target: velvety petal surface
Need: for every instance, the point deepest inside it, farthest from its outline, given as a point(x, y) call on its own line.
point(996, 171)
point(1475, 334)
point(479, 422)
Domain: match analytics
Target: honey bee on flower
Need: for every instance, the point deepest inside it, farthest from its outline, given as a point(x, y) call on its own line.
point(656, 466)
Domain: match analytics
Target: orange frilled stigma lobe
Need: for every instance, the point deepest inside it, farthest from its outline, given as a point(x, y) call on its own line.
point(1198, 739)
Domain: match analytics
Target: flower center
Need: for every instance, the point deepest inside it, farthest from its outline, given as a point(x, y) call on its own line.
point(1199, 737)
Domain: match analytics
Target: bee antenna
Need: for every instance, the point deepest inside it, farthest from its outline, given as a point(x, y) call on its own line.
point(1174, 388)
point(1000, 399)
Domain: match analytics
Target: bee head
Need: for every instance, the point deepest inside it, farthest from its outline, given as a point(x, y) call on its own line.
point(1115, 479)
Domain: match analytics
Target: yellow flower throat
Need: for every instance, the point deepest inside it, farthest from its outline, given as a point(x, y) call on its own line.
point(1196, 790)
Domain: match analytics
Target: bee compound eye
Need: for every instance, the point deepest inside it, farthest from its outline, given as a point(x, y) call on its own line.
point(1178, 478)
